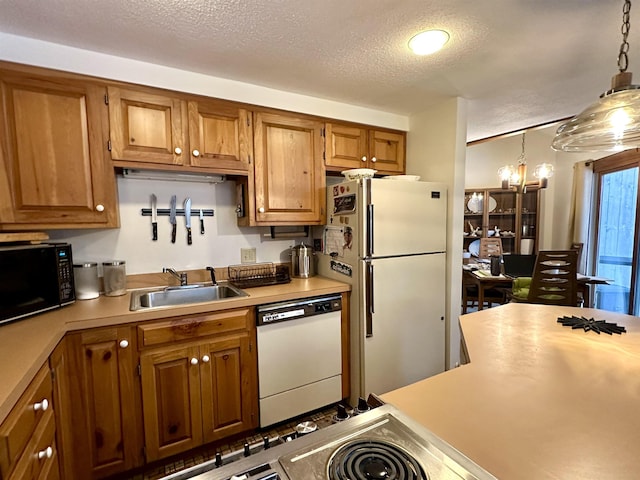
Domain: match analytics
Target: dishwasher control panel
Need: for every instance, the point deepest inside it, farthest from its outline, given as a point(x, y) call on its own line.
point(283, 311)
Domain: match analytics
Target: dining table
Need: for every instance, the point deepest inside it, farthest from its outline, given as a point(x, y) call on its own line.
point(479, 274)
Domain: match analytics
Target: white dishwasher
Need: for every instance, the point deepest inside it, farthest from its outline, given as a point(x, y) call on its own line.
point(299, 357)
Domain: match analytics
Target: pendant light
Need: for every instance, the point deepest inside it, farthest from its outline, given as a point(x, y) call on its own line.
point(515, 178)
point(613, 122)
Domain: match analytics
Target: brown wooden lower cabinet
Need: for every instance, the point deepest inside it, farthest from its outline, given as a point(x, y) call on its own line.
point(128, 394)
point(199, 391)
point(28, 450)
point(104, 422)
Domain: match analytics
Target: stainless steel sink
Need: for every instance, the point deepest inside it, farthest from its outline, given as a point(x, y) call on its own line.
point(185, 295)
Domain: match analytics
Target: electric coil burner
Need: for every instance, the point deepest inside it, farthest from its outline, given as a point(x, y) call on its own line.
point(372, 459)
point(380, 444)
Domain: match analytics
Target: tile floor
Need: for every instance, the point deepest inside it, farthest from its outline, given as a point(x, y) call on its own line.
point(160, 469)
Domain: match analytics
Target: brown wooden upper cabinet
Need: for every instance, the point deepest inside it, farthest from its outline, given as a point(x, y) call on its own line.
point(54, 171)
point(289, 175)
point(360, 147)
point(154, 130)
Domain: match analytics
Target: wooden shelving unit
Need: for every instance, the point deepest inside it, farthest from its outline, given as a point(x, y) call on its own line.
point(516, 217)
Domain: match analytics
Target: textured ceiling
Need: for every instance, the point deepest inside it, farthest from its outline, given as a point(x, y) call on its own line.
point(517, 62)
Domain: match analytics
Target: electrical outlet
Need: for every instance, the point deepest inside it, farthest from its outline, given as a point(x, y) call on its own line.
point(247, 255)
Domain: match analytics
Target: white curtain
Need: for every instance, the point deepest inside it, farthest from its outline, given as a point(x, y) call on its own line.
point(582, 213)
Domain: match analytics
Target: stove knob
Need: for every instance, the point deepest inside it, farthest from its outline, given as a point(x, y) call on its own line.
point(218, 460)
point(265, 442)
point(247, 450)
point(363, 406)
point(341, 413)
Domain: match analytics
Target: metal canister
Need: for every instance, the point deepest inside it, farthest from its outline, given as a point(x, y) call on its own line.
point(115, 278)
point(86, 280)
point(303, 263)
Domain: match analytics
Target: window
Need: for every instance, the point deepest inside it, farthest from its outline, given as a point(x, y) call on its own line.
point(617, 232)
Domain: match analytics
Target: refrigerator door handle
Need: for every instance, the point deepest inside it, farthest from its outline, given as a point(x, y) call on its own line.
point(369, 308)
point(369, 230)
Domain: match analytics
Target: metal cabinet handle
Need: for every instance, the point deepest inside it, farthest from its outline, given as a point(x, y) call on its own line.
point(46, 453)
point(177, 151)
point(42, 405)
point(194, 361)
point(99, 208)
point(124, 343)
point(205, 358)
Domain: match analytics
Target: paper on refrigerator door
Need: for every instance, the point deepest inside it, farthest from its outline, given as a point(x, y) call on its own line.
point(334, 240)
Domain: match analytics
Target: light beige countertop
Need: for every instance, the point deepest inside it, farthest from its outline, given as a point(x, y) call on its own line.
point(26, 344)
point(538, 400)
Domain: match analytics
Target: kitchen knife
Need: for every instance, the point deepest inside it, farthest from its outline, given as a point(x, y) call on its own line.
point(154, 216)
point(187, 218)
point(172, 218)
point(201, 222)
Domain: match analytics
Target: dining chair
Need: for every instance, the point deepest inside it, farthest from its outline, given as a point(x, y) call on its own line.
point(577, 246)
point(490, 247)
point(554, 280)
point(470, 295)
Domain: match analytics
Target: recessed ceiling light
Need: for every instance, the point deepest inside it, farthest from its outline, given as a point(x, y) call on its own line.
point(428, 42)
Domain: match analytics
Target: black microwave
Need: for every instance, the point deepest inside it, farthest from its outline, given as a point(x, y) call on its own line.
point(34, 279)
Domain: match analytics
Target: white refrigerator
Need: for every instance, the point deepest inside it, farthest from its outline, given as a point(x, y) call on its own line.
point(387, 238)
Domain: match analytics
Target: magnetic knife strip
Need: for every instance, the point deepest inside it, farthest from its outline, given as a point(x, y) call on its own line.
point(164, 212)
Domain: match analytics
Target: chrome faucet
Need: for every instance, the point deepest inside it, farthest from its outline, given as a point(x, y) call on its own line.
point(180, 276)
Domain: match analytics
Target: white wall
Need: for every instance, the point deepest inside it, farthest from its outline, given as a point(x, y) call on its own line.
point(436, 152)
point(218, 247)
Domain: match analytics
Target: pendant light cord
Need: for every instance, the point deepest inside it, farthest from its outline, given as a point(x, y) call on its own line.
point(522, 158)
point(623, 59)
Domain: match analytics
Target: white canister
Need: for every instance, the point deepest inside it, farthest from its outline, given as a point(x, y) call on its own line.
point(87, 283)
point(115, 278)
point(526, 246)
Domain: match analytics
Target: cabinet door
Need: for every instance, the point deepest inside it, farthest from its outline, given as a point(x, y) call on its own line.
point(229, 391)
point(346, 147)
point(220, 136)
point(55, 172)
point(289, 171)
point(147, 128)
point(105, 414)
point(387, 151)
point(171, 400)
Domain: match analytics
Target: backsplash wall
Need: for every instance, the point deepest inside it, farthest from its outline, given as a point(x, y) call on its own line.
point(219, 246)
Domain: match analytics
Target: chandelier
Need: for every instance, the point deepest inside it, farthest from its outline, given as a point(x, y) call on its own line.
point(613, 122)
point(515, 177)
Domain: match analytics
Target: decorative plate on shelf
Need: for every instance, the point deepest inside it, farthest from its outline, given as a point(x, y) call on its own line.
point(492, 204)
point(475, 204)
point(474, 248)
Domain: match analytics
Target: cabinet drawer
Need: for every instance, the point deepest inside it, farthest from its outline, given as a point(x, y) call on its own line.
point(186, 328)
point(40, 454)
point(19, 426)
